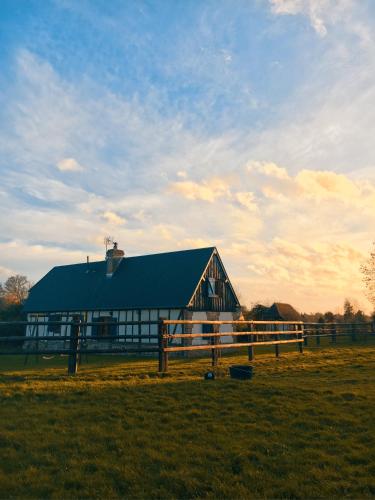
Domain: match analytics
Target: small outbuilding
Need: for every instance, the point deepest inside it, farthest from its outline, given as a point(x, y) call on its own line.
point(279, 312)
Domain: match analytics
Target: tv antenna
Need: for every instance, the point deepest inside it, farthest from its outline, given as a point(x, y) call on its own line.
point(108, 240)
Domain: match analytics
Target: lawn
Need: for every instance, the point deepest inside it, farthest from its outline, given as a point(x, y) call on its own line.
point(303, 427)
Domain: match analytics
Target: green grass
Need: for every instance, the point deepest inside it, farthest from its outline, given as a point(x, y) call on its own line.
point(303, 427)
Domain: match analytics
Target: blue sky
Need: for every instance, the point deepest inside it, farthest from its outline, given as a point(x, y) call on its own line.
point(177, 124)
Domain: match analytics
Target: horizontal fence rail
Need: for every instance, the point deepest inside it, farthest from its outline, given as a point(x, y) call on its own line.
point(250, 337)
point(246, 334)
point(333, 331)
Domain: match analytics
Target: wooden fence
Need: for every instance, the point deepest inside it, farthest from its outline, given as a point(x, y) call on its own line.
point(334, 331)
point(249, 334)
point(257, 333)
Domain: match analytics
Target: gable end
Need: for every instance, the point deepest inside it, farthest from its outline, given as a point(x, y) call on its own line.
point(214, 291)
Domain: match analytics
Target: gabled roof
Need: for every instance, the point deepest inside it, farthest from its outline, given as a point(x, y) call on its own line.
point(282, 312)
point(163, 280)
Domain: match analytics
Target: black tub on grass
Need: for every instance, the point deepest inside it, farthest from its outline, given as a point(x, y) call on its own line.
point(242, 372)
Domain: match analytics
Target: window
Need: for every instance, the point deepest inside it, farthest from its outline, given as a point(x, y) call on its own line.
point(219, 288)
point(207, 328)
point(103, 328)
point(211, 287)
point(52, 326)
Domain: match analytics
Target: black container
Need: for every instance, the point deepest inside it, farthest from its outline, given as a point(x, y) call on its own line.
point(242, 372)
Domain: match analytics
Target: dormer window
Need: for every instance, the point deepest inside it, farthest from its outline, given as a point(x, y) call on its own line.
point(211, 287)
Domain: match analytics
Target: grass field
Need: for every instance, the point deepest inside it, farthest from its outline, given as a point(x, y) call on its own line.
point(303, 427)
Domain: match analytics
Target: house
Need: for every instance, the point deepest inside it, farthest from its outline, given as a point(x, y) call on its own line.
point(278, 312)
point(189, 284)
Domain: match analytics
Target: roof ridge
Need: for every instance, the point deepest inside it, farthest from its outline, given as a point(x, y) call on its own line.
point(146, 281)
point(138, 256)
point(172, 252)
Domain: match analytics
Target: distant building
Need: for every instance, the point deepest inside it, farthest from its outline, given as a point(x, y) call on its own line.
point(278, 312)
point(189, 284)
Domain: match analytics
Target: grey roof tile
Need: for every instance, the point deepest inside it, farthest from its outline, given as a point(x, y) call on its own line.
point(162, 280)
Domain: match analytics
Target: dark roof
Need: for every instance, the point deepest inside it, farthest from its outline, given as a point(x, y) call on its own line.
point(281, 312)
point(163, 280)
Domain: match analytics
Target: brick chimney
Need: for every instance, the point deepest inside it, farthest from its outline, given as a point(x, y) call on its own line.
point(113, 258)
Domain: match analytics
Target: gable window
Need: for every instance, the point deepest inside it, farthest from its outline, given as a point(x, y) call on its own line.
point(103, 328)
point(53, 327)
point(219, 288)
point(211, 287)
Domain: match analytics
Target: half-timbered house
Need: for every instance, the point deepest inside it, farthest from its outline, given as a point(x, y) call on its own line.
point(189, 284)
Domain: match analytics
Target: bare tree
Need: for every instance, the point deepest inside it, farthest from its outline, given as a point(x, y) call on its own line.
point(16, 289)
point(368, 270)
point(2, 298)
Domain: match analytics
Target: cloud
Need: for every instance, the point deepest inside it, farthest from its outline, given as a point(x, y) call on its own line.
point(113, 218)
point(313, 185)
point(247, 199)
point(20, 256)
point(310, 8)
point(268, 169)
point(69, 165)
point(313, 269)
point(207, 190)
point(5, 273)
point(286, 229)
point(325, 185)
point(319, 12)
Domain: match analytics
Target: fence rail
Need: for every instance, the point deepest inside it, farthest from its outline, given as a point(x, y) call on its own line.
point(249, 334)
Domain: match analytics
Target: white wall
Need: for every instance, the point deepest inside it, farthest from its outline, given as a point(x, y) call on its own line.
point(199, 315)
point(226, 316)
point(223, 316)
point(135, 332)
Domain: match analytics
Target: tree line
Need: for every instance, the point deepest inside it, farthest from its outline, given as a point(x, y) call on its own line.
point(14, 292)
point(351, 314)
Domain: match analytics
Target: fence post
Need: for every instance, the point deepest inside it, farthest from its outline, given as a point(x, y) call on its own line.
point(333, 331)
point(73, 345)
point(160, 342)
point(163, 343)
point(317, 338)
point(214, 341)
point(305, 341)
point(250, 349)
point(365, 331)
point(277, 346)
point(372, 328)
point(300, 337)
point(37, 343)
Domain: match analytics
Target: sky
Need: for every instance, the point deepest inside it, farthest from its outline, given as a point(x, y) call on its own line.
point(176, 124)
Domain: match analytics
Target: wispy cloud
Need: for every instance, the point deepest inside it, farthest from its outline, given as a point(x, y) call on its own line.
point(113, 218)
point(208, 190)
point(324, 14)
point(205, 149)
point(69, 165)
